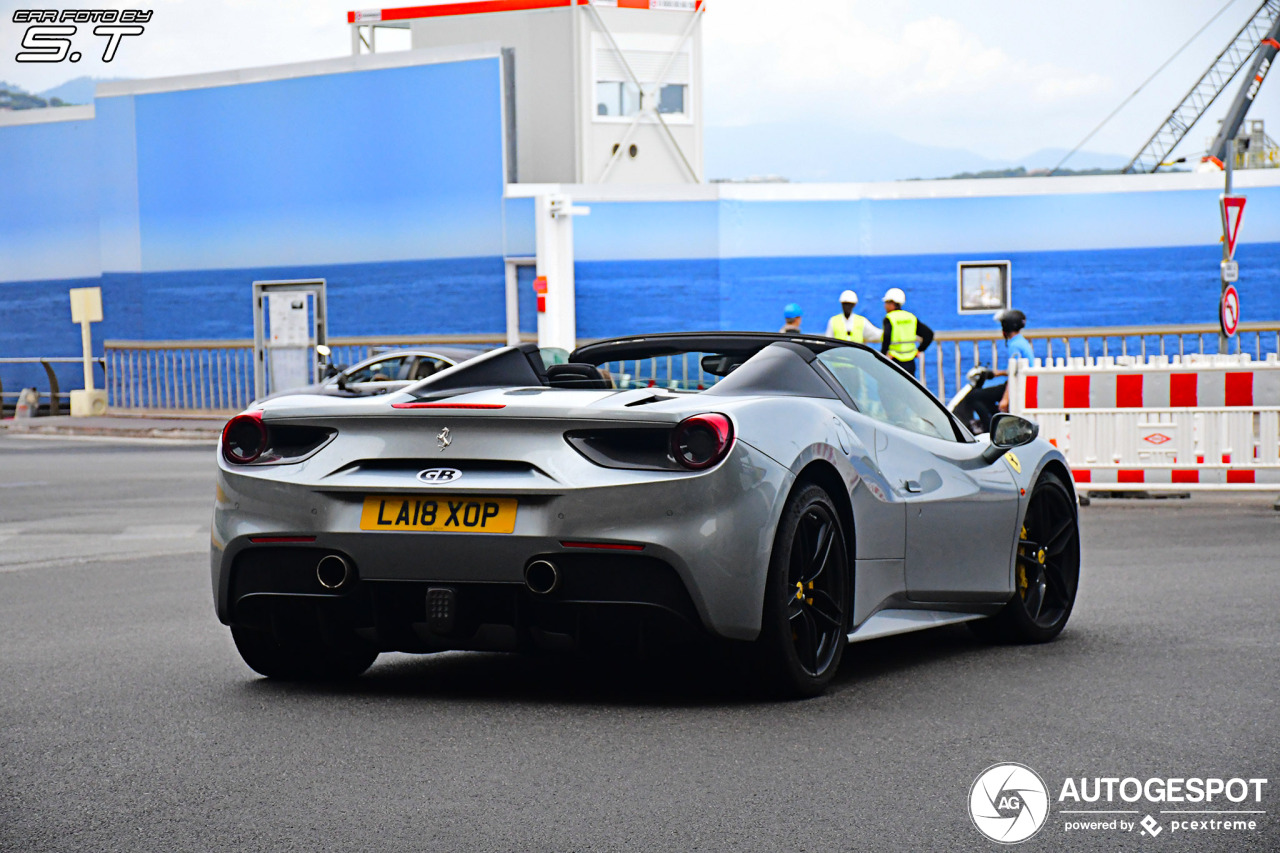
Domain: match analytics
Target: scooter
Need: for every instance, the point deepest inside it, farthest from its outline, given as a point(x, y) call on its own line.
point(961, 405)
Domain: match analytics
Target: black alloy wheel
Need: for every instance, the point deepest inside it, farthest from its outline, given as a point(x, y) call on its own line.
point(1046, 571)
point(805, 626)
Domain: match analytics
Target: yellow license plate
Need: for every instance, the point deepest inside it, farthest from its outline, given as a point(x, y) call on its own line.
point(438, 514)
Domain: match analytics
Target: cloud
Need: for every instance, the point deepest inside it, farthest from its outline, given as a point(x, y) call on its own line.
point(930, 78)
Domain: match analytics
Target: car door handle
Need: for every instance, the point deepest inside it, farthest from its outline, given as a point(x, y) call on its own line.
point(912, 486)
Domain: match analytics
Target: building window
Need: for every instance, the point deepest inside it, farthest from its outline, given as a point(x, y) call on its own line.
point(671, 98)
point(614, 98)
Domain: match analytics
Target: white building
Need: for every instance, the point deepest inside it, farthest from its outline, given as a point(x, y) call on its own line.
point(605, 91)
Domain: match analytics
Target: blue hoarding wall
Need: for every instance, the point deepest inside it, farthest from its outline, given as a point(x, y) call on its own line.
point(1137, 256)
point(386, 181)
point(48, 229)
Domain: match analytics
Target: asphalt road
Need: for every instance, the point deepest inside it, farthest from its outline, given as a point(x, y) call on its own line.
point(127, 721)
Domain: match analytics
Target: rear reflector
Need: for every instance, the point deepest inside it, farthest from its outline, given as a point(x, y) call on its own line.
point(448, 405)
point(602, 546)
point(277, 540)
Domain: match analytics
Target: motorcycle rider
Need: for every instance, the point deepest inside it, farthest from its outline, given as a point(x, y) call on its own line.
point(989, 399)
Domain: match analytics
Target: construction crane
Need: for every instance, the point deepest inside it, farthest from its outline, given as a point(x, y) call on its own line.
point(1260, 36)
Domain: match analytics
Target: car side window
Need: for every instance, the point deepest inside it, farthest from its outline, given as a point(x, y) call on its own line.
point(428, 366)
point(884, 392)
point(384, 370)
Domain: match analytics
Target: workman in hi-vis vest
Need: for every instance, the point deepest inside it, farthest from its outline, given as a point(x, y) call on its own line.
point(904, 335)
point(848, 326)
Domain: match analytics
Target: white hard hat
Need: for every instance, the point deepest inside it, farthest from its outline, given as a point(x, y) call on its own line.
point(849, 297)
point(895, 294)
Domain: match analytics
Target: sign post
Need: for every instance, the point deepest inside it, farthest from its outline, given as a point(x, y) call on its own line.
point(1232, 208)
point(86, 308)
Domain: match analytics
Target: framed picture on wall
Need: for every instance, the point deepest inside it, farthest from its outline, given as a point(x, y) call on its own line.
point(984, 287)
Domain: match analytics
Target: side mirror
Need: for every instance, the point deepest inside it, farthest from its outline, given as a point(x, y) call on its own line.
point(322, 359)
point(1007, 432)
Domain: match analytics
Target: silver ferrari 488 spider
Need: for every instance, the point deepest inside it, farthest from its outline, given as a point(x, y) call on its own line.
point(782, 495)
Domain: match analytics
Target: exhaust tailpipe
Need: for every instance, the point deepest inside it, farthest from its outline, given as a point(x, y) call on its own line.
point(333, 572)
point(542, 577)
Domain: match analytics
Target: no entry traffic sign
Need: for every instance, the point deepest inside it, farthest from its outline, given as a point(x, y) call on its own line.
point(1229, 311)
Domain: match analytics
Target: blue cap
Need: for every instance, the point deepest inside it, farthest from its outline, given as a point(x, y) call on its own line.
point(792, 311)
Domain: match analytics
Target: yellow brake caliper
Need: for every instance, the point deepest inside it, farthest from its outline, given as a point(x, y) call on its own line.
point(800, 596)
point(1022, 572)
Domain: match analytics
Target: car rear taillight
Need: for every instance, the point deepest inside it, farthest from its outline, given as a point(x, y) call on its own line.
point(248, 440)
point(244, 439)
point(701, 441)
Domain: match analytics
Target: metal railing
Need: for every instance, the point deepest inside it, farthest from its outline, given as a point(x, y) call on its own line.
point(217, 376)
point(54, 394)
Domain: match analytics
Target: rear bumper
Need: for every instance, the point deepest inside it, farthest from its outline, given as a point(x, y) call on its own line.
point(619, 600)
point(710, 534)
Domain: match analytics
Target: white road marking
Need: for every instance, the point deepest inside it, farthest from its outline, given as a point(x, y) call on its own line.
point(111, 439)
point(158, 531)
point(78, 562)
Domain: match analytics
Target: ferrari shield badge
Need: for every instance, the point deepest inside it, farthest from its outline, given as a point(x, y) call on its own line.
point(1011, 456)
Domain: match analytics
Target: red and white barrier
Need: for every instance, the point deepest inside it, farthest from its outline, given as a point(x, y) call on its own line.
point(1197, 422)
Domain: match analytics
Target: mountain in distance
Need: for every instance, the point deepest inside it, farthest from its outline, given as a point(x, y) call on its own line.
point(78, 90)
point(1047, 158)
point(14, 97)
point(836, 153)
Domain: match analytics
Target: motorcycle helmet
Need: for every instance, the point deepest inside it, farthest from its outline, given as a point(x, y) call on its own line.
point(1011, 320)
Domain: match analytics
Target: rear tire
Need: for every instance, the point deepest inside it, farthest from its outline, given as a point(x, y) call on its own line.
point(806, 602)
point(302, 647)
point(1046, 571)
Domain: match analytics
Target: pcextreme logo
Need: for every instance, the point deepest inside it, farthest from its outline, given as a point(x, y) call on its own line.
point(1010, 803)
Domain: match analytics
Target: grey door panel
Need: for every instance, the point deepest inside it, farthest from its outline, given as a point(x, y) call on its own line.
point(960, 516)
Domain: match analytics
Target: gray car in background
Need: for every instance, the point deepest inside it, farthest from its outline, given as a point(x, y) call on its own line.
point(784, 495)
point(385, 372)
